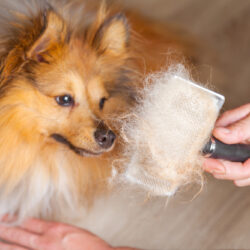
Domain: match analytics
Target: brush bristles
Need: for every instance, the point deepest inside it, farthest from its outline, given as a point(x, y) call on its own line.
point(166, 132)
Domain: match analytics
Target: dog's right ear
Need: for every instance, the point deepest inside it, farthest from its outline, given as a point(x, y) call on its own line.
point(112, 37)
point(52, 38)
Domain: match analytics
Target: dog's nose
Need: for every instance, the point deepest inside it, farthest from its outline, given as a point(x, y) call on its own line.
point(104, 138)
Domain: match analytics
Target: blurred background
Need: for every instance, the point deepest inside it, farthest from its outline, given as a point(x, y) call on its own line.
point(222, 30)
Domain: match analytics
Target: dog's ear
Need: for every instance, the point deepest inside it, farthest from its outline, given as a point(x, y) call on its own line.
point(53, 35)
point(112, 37)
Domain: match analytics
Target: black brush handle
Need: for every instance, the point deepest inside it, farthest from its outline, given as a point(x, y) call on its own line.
point(230, 152)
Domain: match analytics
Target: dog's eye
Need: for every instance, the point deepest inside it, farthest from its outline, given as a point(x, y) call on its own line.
point(102, 102)
point(65, 100)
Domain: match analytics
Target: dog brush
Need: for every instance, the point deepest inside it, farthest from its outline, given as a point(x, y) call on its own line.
point(169, 132)
point(215, 148)
point(233, 152)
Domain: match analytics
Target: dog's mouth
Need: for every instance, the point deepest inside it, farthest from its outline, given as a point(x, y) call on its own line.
point(77, 150)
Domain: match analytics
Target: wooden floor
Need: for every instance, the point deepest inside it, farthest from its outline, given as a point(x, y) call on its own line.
point(219, 218)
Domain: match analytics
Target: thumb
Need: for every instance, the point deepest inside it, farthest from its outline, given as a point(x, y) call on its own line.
point(238, 132)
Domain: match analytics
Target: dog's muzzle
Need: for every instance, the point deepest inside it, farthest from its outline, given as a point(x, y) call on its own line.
point(105, 138)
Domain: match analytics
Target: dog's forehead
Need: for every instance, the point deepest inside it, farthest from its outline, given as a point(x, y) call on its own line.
point(85, 85)
point(80, 59)
point(80, 51)
point(76, 82)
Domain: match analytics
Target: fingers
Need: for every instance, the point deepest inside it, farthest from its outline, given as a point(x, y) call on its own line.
point(232, 127)
point(213, 166)
point(55, 236)
point(233, 115)
point(4, 246)
point(242, 183)
point(36, 225)
point(234, 171)
point(227, 170)
point(238, 132)
point(18, 236)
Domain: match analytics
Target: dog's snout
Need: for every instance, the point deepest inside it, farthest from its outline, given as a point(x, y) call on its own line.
point(104, 138)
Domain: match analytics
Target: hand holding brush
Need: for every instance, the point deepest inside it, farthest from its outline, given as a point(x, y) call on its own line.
point(232, 127)
point(168, 135)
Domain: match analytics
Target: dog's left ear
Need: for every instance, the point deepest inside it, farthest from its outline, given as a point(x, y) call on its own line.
point(112, 37)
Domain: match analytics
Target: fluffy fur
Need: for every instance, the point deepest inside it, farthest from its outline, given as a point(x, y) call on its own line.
point(97, 54)
point(166, 132)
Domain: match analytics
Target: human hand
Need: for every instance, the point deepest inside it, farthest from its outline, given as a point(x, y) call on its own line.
point(40, 235)
point(232, 127)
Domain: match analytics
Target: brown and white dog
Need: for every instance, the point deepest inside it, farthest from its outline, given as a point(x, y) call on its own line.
point(66, 75)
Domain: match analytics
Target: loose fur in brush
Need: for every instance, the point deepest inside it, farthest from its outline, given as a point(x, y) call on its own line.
point(165, 134)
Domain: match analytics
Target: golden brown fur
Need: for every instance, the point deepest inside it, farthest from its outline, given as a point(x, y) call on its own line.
point(45, 56)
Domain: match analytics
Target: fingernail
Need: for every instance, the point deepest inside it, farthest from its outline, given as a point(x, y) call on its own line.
point(223, 130)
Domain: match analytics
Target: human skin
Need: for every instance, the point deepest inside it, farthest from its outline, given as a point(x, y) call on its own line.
point(40, 235)
point(232, 127)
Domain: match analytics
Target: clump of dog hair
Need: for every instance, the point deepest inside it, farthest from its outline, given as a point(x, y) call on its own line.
point(165, 133)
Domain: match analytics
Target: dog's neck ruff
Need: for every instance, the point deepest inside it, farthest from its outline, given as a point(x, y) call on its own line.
point(51, 186)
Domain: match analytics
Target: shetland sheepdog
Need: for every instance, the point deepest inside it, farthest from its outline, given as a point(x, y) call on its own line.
point(65, 77)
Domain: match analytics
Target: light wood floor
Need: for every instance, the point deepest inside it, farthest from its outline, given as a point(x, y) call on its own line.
point(219, 218)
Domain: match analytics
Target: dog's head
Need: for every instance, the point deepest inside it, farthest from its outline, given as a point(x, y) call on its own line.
point(61, 87)
point(61, 81)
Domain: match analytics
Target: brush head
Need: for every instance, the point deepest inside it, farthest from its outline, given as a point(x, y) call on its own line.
point(167, 131)
point(217, 98)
